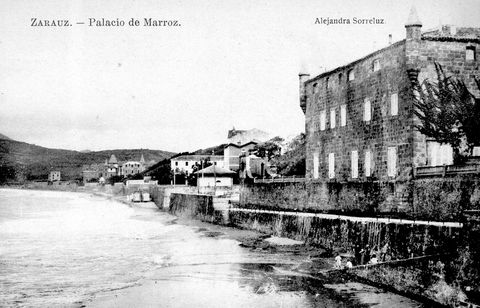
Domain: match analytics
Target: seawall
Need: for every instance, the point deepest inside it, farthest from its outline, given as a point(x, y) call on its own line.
point(440, 199)
point(358, 236)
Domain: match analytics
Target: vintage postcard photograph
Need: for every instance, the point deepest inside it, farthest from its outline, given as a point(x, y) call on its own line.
point(223, 153)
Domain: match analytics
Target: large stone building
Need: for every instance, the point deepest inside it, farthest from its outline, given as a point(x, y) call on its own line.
point(359, 119)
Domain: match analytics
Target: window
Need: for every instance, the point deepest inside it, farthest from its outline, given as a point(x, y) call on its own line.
point(376, 65)
point(439, 154)
point(394, 104)
point(315, 165)
point(186, 163)
point(332, 118)
point(215, 163)
point(367, 110)
point(343, 115)
point(354, 163)
point(340, 76)
point(176, 163)
point(392, 161)
point(368, 163)
point(331, 165)
point(470, 53)
point(322, 120)
point(315, 88)
point(350, 75)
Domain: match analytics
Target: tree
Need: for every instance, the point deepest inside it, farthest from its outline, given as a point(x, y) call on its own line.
point(293, 161)
point(192, 177)
point(115, 179)
point(269, 149)
point(448, 112)
point(161, 172)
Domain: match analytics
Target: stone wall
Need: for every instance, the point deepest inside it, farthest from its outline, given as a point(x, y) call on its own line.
point(441, 199)
point(192, 206)
point(369, 198)
point(398, 240)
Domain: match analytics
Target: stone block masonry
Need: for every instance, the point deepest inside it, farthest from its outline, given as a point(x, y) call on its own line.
point(434, 199)
point(359, 118)
point(360, 237)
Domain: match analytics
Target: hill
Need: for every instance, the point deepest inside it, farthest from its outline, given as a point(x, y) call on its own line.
point(2, 136)
point(21, 161)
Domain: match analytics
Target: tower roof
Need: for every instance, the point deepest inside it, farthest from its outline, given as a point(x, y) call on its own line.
point(413, 19)
point(303, 68)
point(113, 159)
point(142, 160)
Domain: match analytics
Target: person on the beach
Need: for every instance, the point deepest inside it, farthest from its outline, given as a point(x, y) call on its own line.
point(338, 262)
point(373, 260)
point(384, 252)
point(349, 264)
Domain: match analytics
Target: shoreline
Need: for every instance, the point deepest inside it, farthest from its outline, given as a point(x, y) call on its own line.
point(248, 239)
point(319, 266)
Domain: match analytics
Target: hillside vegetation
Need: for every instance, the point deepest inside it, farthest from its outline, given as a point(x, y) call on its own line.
point(20, 161)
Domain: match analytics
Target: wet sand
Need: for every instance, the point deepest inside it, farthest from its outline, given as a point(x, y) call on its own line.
point(295, 281)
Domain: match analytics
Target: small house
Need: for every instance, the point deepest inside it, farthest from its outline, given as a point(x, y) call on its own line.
point(215, 176)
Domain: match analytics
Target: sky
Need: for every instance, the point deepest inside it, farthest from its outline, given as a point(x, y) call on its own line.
point(229, 64)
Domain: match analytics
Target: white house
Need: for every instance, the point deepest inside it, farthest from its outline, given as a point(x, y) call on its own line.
point(185, 163)
point(215, 176)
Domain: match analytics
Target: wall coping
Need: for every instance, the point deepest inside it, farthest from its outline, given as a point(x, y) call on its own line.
point(356, 219)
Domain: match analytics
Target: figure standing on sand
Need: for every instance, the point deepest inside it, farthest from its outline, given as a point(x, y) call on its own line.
point(338, 262)
point(349, 264)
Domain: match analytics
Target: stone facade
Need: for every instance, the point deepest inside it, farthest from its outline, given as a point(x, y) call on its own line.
point(359, 119)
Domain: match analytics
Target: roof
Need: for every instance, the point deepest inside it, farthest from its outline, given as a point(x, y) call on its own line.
point(216, 170)
point(242, 145)
point(413, 19)
point(113, 159)
point(199, 157)
point(233, 132)
point(244, 136)
point(349, 65)
point(132, 162)
point(453, 33)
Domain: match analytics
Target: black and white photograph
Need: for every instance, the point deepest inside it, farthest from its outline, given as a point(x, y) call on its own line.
point(225, 153)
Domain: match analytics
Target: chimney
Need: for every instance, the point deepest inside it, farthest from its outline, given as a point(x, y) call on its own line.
point(390, 39)
point(413, 25)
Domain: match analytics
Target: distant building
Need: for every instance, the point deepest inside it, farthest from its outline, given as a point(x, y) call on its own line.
point(54, 176)
point(252, 166)
point(240, 142)
point(185, 163)
point(238, 137)
point(232, 153)
point(92, 172)
point(215, 176)
point(114, 168)
point(111, 167)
